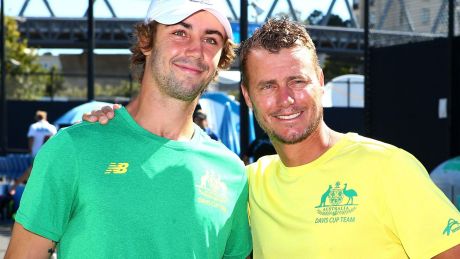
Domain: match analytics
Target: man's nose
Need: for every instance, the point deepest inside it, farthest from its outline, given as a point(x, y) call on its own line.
point(195, 48)
point(286, 96)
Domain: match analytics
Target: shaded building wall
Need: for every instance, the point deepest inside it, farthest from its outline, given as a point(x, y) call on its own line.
point(407, 83)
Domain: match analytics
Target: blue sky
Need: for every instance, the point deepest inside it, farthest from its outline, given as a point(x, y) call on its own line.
point(138, 8)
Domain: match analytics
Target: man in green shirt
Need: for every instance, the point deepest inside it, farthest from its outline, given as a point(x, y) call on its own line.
point(150, 184)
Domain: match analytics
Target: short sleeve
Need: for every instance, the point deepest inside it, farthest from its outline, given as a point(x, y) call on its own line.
point(46, 204)
point(239, 243)
point(419, 210)
point(53, 130)
point(30, 133)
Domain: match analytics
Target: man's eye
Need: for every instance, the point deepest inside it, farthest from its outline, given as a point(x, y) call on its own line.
point(179, 33)
point(299, 83)
point(211, 41)
point(267, 86)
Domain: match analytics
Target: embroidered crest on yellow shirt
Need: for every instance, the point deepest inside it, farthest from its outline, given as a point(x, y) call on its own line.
point(212, 191)
point(117, 168)
point(337, 204)
point(452, 227)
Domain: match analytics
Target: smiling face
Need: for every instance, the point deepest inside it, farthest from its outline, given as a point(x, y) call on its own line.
point(185, 55)
point(284, 89)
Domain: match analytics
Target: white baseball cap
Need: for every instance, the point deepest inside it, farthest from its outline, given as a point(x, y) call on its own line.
point(173, 11)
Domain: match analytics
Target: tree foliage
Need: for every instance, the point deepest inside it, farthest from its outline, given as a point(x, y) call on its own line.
point(334, 67)
point(21, 64)
point(317, 17)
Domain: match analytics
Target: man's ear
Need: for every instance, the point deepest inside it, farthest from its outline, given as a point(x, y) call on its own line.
point(144, 43)
point(321, 76)
point(244, 90)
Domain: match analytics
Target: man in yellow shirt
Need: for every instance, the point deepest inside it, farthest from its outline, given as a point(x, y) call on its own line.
point(327, 194)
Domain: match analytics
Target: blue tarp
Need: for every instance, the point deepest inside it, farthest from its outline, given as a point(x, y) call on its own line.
point(224, 119)
point(75, 115)
point(447, 177)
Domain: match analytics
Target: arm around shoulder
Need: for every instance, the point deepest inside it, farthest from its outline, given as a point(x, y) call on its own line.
point(25, 244)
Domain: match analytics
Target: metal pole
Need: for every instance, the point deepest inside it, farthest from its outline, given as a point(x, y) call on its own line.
point(454, 91)
point(348, 92)
point(90, 52)
point(3, 113)
point(244, 116)
point(367, 66)
point(52, 71)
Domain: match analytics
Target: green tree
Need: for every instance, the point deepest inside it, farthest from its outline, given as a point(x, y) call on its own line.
point(54, 82)
point(26, 78)
point(334, 66)
point(122, 89)
point(317, 17)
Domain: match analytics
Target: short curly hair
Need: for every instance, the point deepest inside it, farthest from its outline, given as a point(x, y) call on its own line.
point(143, 37)
point(274, 35)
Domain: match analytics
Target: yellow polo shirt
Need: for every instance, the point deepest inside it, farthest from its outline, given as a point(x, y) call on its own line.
point(361, 199)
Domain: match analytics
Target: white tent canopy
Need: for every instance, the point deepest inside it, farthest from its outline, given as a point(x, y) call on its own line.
point(344, 91)
point(447, 177)
point(229, 77)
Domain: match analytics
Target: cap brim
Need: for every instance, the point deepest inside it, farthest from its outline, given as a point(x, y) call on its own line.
point(180, 14)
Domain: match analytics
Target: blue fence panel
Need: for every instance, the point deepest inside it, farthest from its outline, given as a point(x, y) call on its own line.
point(13, 165)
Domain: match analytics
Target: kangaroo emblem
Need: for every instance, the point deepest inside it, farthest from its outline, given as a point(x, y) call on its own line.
point(324, 197)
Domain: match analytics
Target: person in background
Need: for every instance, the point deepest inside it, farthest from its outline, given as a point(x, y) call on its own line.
point(201, 119)
point(258, 148)
point(39, 132)
point(150, 184)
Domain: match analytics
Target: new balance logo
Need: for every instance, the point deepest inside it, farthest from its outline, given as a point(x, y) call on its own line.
point(117, 168)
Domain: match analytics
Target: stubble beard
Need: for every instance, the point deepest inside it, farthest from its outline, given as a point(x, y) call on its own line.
point(296, 138)
point(169, 84)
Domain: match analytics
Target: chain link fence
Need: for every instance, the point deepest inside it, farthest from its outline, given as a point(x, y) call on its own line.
point(64, 86)
point(395, 22)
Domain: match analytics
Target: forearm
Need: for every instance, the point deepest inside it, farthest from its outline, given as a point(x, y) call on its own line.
point(25, 244)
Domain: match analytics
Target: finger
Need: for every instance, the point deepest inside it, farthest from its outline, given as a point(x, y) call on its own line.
point(108, 111)
point(101, 116)
point(94, 112)
point(116, 106)
point(89, 117)
point(103, 120)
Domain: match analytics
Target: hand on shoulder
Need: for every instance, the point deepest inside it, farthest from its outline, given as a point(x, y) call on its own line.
point(103, 116)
